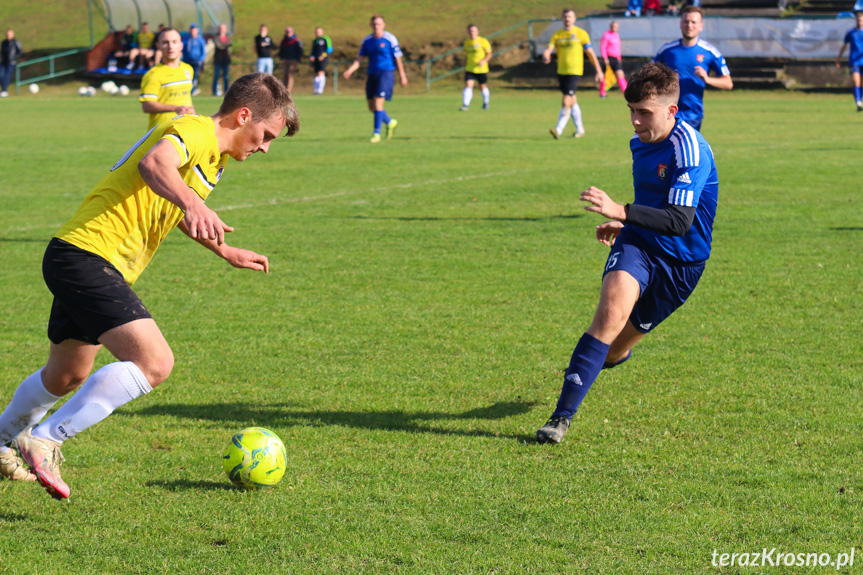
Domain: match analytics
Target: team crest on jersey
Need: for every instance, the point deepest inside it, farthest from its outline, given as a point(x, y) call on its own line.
point(700, 58)
point(188, 76)
point(383, 45)
point(662, 171)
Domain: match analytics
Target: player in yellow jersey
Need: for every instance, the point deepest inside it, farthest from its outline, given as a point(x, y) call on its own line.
point(166, 90)
point(571, 44)
point(159, 183)
point(478, 53)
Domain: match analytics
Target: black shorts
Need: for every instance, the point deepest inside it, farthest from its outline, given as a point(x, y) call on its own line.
point(568, 84)
point(480, 78)
point(90, 295)
point(320, 65)
point(614, 64)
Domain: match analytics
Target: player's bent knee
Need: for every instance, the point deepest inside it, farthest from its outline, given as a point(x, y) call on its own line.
point(159, 368)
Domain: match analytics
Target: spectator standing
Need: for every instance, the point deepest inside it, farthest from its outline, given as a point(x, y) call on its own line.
point(194, 52)
point(221, 60)
point(290, 53)
point(10, 51)
point(264, 50)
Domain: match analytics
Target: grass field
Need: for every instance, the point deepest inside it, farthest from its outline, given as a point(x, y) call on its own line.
point(425, 295)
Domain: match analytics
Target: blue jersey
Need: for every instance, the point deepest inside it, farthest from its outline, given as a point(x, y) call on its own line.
point(854, 37)
point(381, 52)
point(679, 171)
point(683, 60)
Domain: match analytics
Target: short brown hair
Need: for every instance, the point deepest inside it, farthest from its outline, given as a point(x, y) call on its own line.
point(691, 9)
point(653, 80)
point(264, 96)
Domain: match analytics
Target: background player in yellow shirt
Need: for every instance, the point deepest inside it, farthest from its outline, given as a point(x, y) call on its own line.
point(160, 183)
point(571, 43)
point(478, 52)
point(166, 90)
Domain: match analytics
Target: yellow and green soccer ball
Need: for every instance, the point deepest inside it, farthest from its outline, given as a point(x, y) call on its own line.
point(255, 457)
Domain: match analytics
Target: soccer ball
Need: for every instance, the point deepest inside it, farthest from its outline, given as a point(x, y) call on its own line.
point(124, 90)
point(83, 91)
point(255, 457)
point(34, 88)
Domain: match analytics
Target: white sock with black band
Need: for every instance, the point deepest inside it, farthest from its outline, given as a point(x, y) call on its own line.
point(110, 387)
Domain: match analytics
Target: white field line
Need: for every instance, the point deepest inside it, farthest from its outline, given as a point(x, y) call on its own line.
point(339, 194)
point(277, 201)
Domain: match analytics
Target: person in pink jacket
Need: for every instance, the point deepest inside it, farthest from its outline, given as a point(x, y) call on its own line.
point(609, 49)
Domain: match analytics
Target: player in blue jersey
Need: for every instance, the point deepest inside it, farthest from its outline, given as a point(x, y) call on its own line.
point(854, 38)
point(693, 59)
point(385, 56)
point(659, 243)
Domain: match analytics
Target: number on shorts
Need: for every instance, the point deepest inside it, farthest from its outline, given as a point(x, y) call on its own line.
point(612, 261)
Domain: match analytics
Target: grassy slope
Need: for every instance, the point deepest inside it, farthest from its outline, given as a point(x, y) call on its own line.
point(418, 26)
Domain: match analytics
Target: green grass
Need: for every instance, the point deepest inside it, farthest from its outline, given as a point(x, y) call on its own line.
point(424, 298)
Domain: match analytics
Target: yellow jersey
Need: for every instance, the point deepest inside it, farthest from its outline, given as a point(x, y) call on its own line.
point(167, 85)
point(145, 40)
point(570, 47)
point(476, 50)
point(122, 219)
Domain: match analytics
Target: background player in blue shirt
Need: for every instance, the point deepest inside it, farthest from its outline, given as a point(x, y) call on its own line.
point(659, 243)
point(385, 56)
point(854, 38)
point(693, 59)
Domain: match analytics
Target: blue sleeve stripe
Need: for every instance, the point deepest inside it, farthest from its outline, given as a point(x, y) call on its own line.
point(678, 197)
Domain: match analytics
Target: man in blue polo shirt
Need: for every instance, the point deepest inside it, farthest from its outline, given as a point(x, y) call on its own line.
point(385, 56)
point(693, 59)
point(659, 243)
point(854, 38)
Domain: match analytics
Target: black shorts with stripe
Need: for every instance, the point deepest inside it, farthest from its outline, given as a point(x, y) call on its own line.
point(90, 295)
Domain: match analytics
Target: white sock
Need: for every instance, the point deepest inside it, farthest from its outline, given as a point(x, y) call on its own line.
point(486, 96)
point(323, 84)
point(110, 387)
point(561, 121)
point(576, 118)
point(466, 97)
point(30, 402)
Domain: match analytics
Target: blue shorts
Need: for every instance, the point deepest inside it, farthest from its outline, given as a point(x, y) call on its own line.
point(665, 284)
point(380, 85)
point(855, 68)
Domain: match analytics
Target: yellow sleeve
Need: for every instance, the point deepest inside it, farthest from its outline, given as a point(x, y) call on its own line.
point(486, 45)
point(150, 87)
point(584, 37)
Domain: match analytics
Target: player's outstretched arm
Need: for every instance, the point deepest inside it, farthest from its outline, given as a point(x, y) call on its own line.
point(546, 56)
point(352, 68)
point(839, 57)
point(401, 67)
point(601, 204)
point(152, 107)
point(237, 257)
point(607, 232)
point(159, 170)
point(595, 61)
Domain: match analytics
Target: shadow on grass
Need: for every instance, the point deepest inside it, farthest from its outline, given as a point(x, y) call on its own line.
point(469, 218)
point(10, 517)
point(286, 415)
point(847, 229)
point(185, 484)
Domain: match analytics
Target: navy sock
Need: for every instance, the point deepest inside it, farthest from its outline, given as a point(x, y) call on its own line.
point(857, 94)
point(378, 119)
point(584, 367)
point(385, 117)
point(610, 364)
